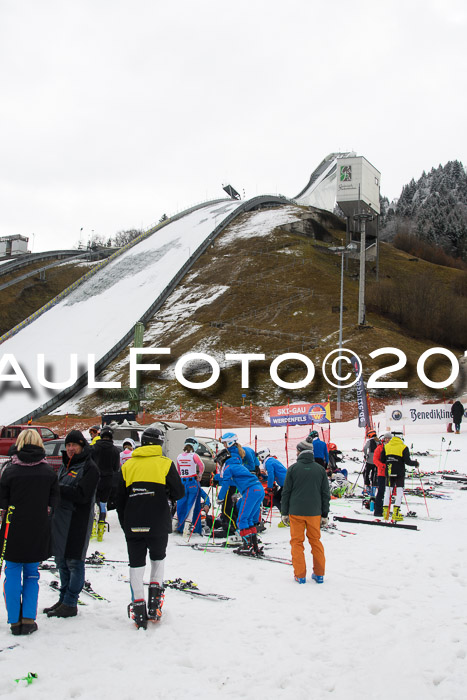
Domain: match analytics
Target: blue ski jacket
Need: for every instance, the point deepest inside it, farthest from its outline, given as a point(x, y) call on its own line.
point(250, 460)
point(276, 471)
point(320, 450)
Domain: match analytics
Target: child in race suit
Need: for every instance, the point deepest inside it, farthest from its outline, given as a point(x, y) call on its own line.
point(190, 467)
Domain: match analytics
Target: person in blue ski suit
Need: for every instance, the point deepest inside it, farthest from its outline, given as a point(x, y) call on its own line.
point(191, 468)
point(249, 486)
point(276, 475)
point(250, 460)
point(320, 449)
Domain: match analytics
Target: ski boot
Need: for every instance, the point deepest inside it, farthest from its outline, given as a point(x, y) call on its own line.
point(174, 524)
point(187, 530)
point(396, 514)
point(246, 547)
point(300, 579)
point(156, 595)
point(318, 579)
point(256, 548)
point(385, 512)
point(137, 612)
point(94, 529)
point(100, 530)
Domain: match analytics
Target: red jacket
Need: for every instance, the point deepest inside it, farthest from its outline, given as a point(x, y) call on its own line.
point(380, 466)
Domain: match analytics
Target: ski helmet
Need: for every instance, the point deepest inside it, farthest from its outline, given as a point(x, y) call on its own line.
point(371, 434)
point(313, 434)
point(222, 457)
point(262, 454)
point(192, 442)
point(332, 447)
point(152, 436)
point(229, 439)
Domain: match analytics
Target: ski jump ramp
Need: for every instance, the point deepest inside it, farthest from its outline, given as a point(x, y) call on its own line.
point(99, 315)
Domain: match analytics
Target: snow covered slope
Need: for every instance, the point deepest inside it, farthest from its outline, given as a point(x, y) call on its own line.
point(102, 310)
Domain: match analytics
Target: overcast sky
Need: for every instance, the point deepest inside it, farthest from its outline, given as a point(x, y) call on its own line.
point(113, 112)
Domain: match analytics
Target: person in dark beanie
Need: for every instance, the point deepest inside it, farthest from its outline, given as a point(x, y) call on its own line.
point(457, 414)
point(305, 507)
point(72, 521)
point(107, 458)
point(29, 485)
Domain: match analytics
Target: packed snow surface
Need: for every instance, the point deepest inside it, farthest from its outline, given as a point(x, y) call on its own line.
point(388, 622)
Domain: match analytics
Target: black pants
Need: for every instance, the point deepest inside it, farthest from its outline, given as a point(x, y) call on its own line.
point(380, 496)
point(369, 475)
point(138, 547)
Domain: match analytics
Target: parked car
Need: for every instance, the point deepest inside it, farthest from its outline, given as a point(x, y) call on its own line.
point(9, 433)
point(53, 452)
point(207, 449)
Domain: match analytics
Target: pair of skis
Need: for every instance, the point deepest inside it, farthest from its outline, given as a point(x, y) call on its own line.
point(376, 521)
point(87, 587)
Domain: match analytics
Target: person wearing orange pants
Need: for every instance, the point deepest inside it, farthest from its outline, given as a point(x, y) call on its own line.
point(305, 506)
point(311, 525)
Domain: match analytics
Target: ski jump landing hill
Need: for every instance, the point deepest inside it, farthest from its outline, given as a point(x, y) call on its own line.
point(98, 313)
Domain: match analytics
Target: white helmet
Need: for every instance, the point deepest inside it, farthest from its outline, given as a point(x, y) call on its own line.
point(229, 439)
point(262, 454)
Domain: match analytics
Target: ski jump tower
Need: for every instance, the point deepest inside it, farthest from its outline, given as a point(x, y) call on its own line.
point(357, 194)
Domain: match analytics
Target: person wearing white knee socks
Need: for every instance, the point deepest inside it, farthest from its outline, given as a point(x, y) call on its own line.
point(147, 481)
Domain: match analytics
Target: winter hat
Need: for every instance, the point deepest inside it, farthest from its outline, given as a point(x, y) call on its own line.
point(302, 446)
point(387, 436)
point(129, 441)
point(77, 437)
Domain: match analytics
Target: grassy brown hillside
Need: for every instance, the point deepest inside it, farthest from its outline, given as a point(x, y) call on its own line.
point(274, 294)
point(24, 298)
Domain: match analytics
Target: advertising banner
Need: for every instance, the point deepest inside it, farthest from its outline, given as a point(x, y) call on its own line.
point(418, 414)
point(362, 403)
point(300, 414)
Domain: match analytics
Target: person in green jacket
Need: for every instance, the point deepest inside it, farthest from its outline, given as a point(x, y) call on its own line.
point(305, 506)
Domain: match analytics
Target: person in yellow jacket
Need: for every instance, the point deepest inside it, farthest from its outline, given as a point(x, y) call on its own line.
point(146, 482)
point(395, 456)
point(94, 434)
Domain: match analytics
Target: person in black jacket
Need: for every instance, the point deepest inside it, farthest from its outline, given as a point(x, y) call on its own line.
point(30, 485)
point(72, 521)
point(147, 480)
point(457, 413)
point(107, 458)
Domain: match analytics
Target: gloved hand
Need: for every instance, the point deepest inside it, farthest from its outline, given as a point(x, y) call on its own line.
point(324, 521)
point(417, 463)
point(285, 519)
point(236, 497)
point(269, 492)
point(220, 504)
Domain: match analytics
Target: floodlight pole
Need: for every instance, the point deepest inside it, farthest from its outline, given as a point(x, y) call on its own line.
point(362, 218)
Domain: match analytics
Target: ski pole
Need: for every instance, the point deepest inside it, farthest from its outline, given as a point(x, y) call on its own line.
point(352, 490)
point(421, 482)
point(214, 516)
point(446, 457)
point(9, 513)
point(440, 453)
point(230, 520)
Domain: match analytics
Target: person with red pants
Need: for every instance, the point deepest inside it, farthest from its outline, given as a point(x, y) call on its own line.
point(251, 495)
point(381, 474)
point(305, 507)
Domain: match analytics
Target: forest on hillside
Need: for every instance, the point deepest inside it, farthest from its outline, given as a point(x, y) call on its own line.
point(430, 216)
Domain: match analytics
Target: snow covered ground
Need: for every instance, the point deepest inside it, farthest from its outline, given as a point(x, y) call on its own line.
point(389, 622)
